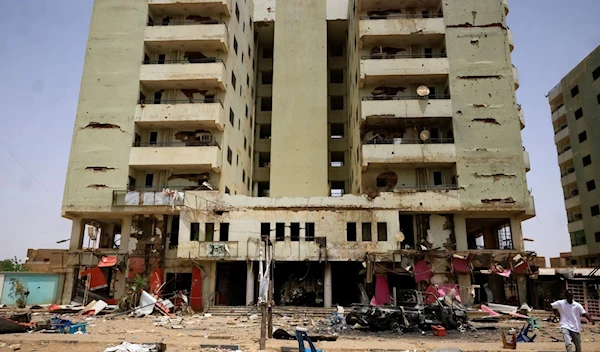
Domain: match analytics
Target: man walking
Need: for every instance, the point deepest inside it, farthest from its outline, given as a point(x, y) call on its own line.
point(570, 320)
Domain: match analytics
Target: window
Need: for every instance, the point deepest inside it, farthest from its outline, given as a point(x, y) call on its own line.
point(247, 111)
point(338, 188)
point(248, 80)
point(266, 104)
point(245, 143)
point(574, 91)
point(237, 12)
point(336, 50)
point(578, 238)
point(382, 181)
point(143, 98)
point(309, 229)
point(366, 231)
point(174, 236)
point(249, 49)
point(264, 159)
point(591, 185)
point(267, 52)
point(195, 231)
point(267, 77)
point(337, 131)
point(244, 176)
point(265, 229)
point(295, 231)
point(428, 53)
point(227, 191)
point(598, 98)
point(233, 80)
point(336, 76)
point(209, 231)
point(425, 14)
point(595, 210)
point(582, 137)
point(596, 73)
point(229, 155)
point(153, 138)
point(231, 117)
point(264, 131)
point(437, 178)
point(279, 231)
point(382, 231)
point(239, 124)
point(587, 160)
point(351, 232)
point(243, 61)
point(337, 159)
point(161, 59)
point(578, 113)
point(235, 45)
point(149, 180)
point(237, 159)
point(336, 102)
point(597, 236)
point(224, 232)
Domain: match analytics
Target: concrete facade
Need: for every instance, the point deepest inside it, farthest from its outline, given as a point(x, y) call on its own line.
point(351, 134)
point(575, 108)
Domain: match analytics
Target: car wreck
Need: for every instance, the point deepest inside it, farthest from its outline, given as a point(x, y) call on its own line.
point(413, 310)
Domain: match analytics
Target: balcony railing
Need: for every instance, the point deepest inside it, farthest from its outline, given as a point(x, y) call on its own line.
point(567, 173)
point(426, 188)
point(185, 22)
point(575, 218)
point(409, 141)
point(571, 196)
point(403, 56)
point(564, 151)
point(177, 144)
point(405, 97)
point(180, 101)
point(184, 61)
point(400, 15)
point(558, 107)
point(560, 128)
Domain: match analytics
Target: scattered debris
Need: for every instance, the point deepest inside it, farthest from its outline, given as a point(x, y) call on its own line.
point(129, 347)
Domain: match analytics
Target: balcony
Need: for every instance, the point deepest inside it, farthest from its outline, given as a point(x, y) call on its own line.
point(206, 35)
point(394, 106)
point(505, 4)
point(572, 202)
point(516, 77)
point(555, 95)
point(376, 29)
point(196, 114)
point(565, 156)
point(558, 113)
point(375, 68)
point(521, 116)
point(148, 196)
point(511, 43)
point(207, 7)
point(176, 75)
point(579, 250)
point(561, 134)
point(210, 250)
point(526, 161)
point(575, 224)
point(568, 178)
point(174, 156)
point(402, 151)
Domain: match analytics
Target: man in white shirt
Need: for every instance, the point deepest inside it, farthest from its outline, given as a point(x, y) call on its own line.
point(570, 320)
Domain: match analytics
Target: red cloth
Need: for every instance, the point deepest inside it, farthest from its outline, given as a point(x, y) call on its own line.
point(521, 268)
point(97, 279)
point(442, 291)
point(107, 262)
point(422, 271)
point(382, 291)
point(460, 265)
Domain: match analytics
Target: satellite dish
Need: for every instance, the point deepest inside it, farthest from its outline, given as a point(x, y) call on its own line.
point(424, 135)
point(400, 237)
point(423, 91)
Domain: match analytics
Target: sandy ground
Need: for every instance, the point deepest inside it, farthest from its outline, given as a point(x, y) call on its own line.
point(193, 331)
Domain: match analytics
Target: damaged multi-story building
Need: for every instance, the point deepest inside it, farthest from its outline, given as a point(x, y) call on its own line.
point(367, 142)
point(575, 106)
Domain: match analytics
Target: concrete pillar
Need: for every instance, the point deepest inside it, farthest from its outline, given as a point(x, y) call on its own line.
point(250, 283)
point(121, 277)
point(76, 234)
point(464, 284)
point(464, 280)
point(518, 244)
point(327, 286)
point(74, 244)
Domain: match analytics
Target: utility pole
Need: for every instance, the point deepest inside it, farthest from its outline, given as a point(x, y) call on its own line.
point(264, 290)
point(270, 296)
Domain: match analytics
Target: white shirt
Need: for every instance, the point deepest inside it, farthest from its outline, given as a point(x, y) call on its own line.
point(570, 314)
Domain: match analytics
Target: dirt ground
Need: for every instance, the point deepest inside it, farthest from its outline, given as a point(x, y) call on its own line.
point(193, 331)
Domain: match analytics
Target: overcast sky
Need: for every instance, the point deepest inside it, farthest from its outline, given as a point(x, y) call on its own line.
point(41, 60)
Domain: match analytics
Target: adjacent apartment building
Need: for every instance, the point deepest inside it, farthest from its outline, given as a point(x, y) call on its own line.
point(575, 106)
point(364, 141)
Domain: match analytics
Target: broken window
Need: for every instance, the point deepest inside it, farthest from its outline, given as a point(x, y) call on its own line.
point(309, 231)
point(267, 77)
point(157, 97)
point(582, 137)
point(231, 117)
point(195, 231)
point(587, 160)
point(574, 91)
point(267, 52)
point(174, 235)
point(437, 178)
point(262, 189)
point(382, 231)
point(209, 231)
point(266, 104)
point(366, 231)
point(336, 102)
point(235, 45)
point(591, 185)
point(337, 131)
point(336, 50)
point(149, 181)
point(264, 159)
point(279, 231)
point(336, 76)
point(264, 131)
point(224, 232)
point(578, 113)
point(227, 191)
point(387, 180)
point(338, 188)
point(295, 231)
point(428, 53)
point(337, 159)
point(161, 59)
point(153, 138)
point(265, 229)
point(229, 155)
point(351, 232)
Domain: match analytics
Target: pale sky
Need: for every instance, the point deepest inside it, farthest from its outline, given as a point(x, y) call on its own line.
point(41, 55)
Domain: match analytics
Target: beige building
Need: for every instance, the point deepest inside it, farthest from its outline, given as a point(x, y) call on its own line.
point(575, 106)
point(364, 138)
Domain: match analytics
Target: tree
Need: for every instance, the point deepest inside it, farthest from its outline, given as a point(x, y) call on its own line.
point(13, 264)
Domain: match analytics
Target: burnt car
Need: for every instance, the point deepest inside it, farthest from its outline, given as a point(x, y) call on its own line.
point(414, 310)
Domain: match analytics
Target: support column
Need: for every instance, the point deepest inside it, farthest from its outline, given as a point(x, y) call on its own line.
point(74, 244)
point(249, 283)
point(121, 277)
point(327, 286)
point(464, 280)
point(518, 244)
